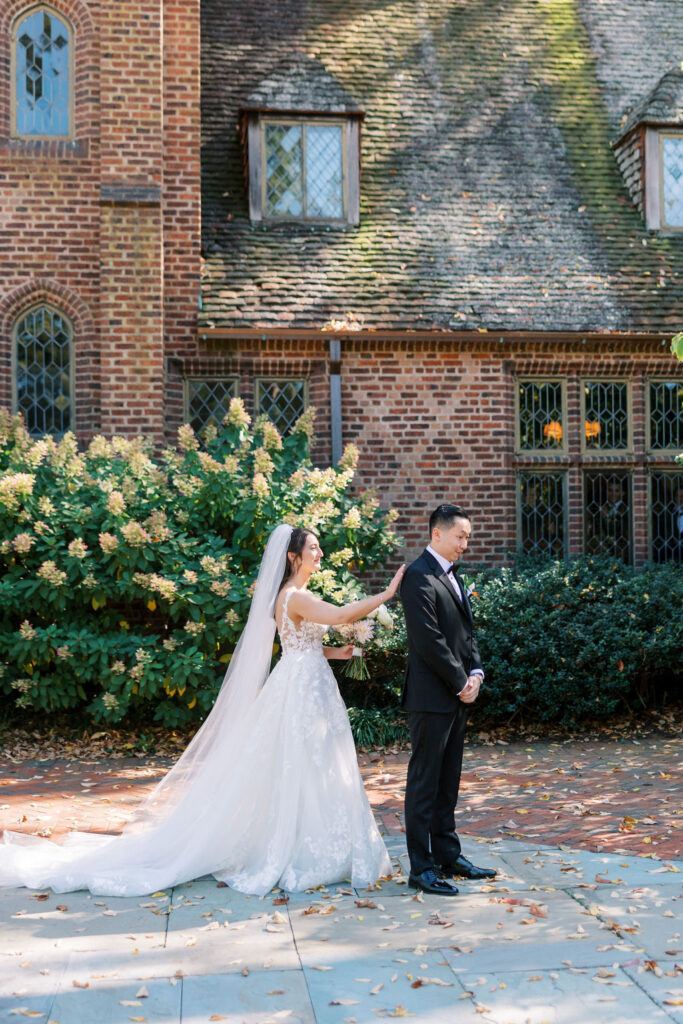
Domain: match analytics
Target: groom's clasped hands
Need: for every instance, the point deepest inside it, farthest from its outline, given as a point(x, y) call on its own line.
point(470, 691)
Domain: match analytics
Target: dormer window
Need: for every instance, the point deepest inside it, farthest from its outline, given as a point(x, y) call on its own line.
point(649, 152)
point(671, 158)
point(303, 170)
point(301, 132)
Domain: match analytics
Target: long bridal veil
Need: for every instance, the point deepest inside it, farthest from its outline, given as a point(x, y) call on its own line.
point(246, 674)
point(165, 840)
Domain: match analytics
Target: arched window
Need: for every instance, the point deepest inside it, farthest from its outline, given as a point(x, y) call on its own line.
point(42, 74)
point(42, 370)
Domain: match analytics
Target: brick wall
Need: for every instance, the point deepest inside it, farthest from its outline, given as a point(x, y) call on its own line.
point(436, 422)
point(105, 225)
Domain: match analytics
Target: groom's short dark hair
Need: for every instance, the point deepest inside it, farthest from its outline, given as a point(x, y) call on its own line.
point(444, 516)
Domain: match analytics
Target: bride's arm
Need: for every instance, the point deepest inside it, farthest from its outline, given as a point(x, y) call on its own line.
point(308, 606)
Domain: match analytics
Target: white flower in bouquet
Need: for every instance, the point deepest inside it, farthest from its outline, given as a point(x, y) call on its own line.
point(346, 632)
point(364, 631)
point(384, 617)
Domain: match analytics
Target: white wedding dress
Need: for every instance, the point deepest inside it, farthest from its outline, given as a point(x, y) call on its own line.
point(283, 805)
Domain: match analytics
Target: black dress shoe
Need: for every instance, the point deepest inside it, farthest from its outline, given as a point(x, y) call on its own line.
point(430, 881)
point(463, 868)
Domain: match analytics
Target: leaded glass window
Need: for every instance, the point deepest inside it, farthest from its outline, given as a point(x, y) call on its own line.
point(540, 415)
point(666, 517)
point(672, 181)
point(42, 341)
point(666, 414)
point(42, 71)
point(541, 505)
point(282, 401)
point(606, 415)
point(208, 401)
point(607, 513)
point(303, 174)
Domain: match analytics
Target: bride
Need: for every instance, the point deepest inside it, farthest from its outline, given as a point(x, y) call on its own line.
point(268, 793)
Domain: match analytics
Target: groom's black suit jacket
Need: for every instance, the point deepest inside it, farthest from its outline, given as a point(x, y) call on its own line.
point(442, 649)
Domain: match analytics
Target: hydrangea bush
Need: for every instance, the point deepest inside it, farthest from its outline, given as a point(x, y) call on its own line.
point(125, 579)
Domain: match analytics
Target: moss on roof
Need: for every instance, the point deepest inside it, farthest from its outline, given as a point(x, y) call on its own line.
point(490, 196)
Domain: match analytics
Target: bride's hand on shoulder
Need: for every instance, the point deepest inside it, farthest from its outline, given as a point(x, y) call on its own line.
point(395, 583)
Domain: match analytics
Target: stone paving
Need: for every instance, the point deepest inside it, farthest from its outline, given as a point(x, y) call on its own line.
point(567, 933)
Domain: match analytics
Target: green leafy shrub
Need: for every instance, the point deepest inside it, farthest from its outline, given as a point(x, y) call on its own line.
point(125, 579)
point(560, 642)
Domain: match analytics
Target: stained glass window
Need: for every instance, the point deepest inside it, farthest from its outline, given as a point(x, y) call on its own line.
point(672, 181)
point(303, 170)
point(282, 401)
point(541, 415)
point(666, 517)
point(541, 503)
point(607, 513)
point(606, 415)
point(42, 75)
point(43, 371)
point(208, 401)
point(666, 414)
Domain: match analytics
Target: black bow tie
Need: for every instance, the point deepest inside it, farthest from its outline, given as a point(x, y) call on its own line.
point(453, 568)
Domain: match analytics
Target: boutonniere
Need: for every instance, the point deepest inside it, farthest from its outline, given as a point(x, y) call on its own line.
point(469, 586)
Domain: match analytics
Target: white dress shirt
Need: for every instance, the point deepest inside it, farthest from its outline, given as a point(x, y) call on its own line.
point(455, 583)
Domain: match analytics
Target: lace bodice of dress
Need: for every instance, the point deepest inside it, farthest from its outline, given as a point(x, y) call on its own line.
point(306, 637)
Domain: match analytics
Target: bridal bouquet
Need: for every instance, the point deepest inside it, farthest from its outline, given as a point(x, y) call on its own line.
point(360, 634)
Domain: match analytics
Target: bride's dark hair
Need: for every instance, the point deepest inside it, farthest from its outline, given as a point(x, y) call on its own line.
point(296, 545)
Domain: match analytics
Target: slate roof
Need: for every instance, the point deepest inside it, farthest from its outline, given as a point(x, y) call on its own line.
point(490, 196)
point(301, 83)
point(662, 106)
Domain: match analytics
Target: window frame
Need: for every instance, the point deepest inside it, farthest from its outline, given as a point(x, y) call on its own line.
point(305, 123)
point(536, 379)
point(600, 453)
point(18, 21)
point(609, 470)
point(279, 380)
point(256, 156)
point(665, 134)
point(212, 377)
point(72, 364)
point(533, 470)
point(654, 178)
point(667, 470)
point(648, 415)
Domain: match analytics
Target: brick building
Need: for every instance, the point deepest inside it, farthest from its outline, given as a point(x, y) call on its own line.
point(456, 228)
point(100, 205)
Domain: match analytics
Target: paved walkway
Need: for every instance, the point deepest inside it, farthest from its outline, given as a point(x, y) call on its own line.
point(571, 931)
point(602, 796)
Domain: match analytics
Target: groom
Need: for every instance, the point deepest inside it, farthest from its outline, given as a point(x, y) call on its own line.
point(443, 677)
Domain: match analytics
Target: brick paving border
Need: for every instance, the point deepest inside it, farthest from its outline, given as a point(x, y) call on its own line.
point(609, 796)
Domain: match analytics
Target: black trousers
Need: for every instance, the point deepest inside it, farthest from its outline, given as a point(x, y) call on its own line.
point(437, 740)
